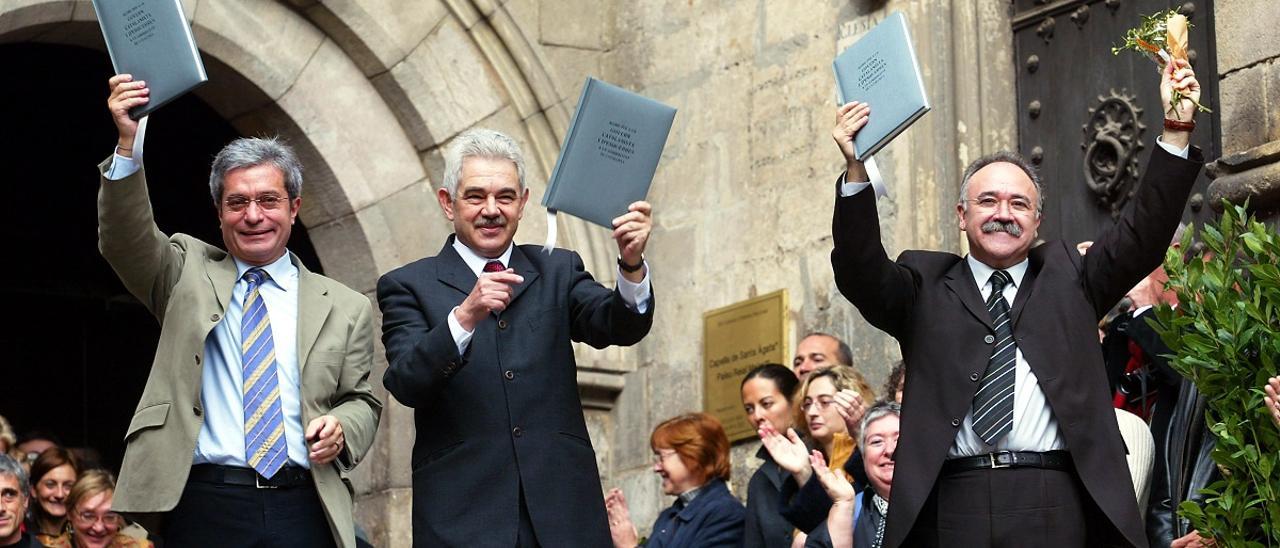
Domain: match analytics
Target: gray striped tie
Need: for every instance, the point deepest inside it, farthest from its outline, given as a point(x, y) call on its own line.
point(993, 404)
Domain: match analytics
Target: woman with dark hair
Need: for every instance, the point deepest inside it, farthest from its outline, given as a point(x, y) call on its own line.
point(93, 523)
point(691, 455)
point(52, 475)
point(893, 385)
point(766, 397)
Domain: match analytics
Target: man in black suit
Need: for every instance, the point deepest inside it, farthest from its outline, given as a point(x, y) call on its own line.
point(1008, 436)
point(478, 343)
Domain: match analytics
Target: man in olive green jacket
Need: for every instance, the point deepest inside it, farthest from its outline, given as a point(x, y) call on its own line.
point(261, 375)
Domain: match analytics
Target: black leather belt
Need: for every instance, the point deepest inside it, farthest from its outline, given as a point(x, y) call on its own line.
point(289, 476)
point(1051, 460)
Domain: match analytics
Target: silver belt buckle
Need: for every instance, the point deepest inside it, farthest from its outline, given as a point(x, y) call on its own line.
point(257, 482)
point(995, 463)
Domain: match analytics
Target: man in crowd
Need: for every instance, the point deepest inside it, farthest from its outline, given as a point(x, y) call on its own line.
point(478, 343)
point(261, 374)
point(817, 350)
point(14, 488)
point(1005, 383)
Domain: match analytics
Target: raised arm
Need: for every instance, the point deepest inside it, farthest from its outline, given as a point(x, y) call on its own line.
point(882, 290)
point(146, 261)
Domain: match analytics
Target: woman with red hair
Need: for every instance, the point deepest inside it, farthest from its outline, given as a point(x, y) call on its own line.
point(691, 455)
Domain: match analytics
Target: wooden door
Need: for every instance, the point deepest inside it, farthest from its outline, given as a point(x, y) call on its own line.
point(1089, 119)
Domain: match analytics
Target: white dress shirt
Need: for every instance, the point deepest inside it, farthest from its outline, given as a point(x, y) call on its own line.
point(1034, 426)
point(635, 295)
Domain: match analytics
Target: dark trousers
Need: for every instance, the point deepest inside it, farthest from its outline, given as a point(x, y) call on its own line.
point(244, 516)
point(1014, 507)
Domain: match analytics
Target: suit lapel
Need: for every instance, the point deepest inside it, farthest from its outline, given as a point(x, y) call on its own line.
point(959, 280)
point(453, 271)
point(222, 275)
point(314, 305)
point(1034, 262)
point(524, 267)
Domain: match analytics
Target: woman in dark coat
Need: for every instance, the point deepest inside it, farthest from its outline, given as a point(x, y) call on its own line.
point(691, 455)
point(766, 397)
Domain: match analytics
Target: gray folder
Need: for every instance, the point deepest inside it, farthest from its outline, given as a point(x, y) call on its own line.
point(151, 40)
point(610, 153)
point(881, 69)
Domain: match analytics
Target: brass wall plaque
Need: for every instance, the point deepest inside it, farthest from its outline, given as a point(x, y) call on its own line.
point(735, 339)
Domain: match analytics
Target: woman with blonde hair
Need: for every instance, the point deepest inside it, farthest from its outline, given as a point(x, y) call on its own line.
point(691, 455)
point(93, 524)
point(829, 406)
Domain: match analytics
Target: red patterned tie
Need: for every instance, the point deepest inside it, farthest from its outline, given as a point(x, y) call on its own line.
point(494, 266)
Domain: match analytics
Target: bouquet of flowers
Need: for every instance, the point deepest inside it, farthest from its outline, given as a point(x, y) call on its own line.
point(1162, 37)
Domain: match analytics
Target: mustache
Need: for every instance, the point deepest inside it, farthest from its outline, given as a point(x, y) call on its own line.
point(1010, 227)
point(491, 222)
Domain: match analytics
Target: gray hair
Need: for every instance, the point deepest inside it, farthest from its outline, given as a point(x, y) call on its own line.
point(877, 412)
point(480, 143)
point(10, 467)
point(1007, 157)
point(251, 152)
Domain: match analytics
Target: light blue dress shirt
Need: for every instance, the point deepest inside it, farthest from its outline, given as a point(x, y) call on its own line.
point(221, 439)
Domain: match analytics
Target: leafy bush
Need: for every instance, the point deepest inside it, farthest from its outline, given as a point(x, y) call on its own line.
point(1225, 336)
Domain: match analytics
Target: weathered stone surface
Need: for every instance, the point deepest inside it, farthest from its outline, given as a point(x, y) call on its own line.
point(585, 24)
point(264, 40)
point(632, 427)
point(345, 252)
point(416, 227)
point(345, 120)
point(1244, 110)
point(1260, 186)
point(387, 517)
point(1246, 31)
point(573, 66)
point(20, 19)
point(449, 82)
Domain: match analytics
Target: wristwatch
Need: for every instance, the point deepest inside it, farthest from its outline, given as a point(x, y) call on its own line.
point(630, 268)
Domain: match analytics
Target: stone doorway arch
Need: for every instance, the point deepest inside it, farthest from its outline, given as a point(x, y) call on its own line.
point(368, 91)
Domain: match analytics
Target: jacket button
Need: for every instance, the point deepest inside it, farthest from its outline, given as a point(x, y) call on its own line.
point(509, 374)
point(502, 324)
point(988, 339)
point(973, 377)
point(197, 410)
point(197, 356)
point(517, 432)
point(955, 422)
point(215, 318)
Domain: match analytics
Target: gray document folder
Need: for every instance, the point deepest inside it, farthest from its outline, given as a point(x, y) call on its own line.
point(151, 40)
point(881, 69)
point(610, 153)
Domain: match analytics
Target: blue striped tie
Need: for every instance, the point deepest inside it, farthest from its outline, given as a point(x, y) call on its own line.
point(264, 444)
point(993, 404)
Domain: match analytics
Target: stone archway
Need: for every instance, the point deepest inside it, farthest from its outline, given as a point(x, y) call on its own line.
point(369, 91)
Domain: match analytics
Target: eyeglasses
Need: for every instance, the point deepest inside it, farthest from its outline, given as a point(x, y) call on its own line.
point(991, 203)
point(237, 204)
point(662, 454)
point(109, 519)
point(823, 402)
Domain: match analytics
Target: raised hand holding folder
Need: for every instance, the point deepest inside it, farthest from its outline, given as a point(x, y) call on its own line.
point(151, 40)
point(609, 156)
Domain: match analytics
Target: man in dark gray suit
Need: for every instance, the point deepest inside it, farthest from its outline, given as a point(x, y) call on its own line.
point(1008, 435)
point(478, 343)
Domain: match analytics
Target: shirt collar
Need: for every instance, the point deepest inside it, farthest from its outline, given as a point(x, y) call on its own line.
point(687, 497)
point(282, 271)
point(475, 262)
point(982, 273)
